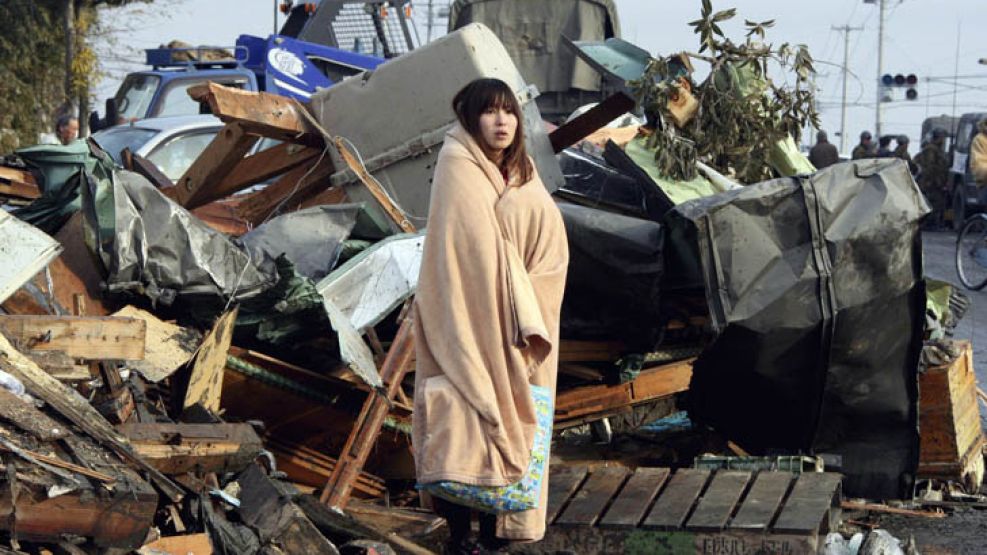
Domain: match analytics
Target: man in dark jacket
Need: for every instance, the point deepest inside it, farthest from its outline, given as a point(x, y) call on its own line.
point(866, 147)
point(824, 153)
point(933, 177)
point(901, 151)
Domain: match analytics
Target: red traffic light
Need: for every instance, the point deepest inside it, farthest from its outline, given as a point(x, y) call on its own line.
point(911, 80)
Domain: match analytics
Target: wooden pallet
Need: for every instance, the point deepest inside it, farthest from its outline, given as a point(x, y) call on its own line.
point(656, 510)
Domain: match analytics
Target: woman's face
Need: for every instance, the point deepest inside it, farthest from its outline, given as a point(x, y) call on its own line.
point(498, 126)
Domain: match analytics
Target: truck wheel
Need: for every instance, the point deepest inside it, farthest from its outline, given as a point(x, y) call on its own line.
point(959, 208)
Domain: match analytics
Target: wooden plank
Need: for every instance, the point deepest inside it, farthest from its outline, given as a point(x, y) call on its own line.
point(380, 195)
point(86, 337)
point(168, 346)
point(763, 501)
point(719, 500)
point(285, 194)
point(650, 384)
point(365, 430)
point(562, 483)
point(264, 165)
point(138, 164)
point(808, 505)
point(191, 544)
point(676, 500)
point(205, 385)
point(265, 114)
point(598, 116)
point(629, 508)
point(23, 415)
point(309, 467)
point(197, 186)
point(590, 351)
point(75, 408)
point(588, 504)
point(180, 448)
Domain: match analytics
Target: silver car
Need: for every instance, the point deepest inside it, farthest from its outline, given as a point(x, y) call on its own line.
point(170, 143)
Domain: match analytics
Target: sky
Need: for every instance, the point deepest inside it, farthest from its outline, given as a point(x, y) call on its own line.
point(921, 37)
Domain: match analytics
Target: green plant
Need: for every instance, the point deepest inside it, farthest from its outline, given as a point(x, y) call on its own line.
point(742, 113)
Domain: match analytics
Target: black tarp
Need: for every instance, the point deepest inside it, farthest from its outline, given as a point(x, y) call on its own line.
point(615, 268)
point(815, 290)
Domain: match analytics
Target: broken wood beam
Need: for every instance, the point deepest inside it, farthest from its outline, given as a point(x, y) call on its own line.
point(286, 193)
point(197, 185)
point(585, 124)
point(177, 449)
point(332, 195)
point(75, 408)
point(367, 426)
point(84, 337)
point(138, 164)
point(18, 183)
point(605, 400)
point(205, 383)
point(264, 165)
point(380, 195)
point(261, 113)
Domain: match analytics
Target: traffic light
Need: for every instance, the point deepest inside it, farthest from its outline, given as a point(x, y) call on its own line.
point(901, 81)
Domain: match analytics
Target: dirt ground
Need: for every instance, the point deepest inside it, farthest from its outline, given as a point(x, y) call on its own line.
point(964, 531)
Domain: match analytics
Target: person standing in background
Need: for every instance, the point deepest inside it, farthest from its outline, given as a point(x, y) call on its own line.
point(865, 149)
point(824, 153)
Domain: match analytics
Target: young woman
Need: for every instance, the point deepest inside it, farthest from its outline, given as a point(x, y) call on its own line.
point(488, 302)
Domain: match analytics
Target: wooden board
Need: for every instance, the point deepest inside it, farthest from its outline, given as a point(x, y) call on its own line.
point(949, 421)
point(205, 383)
point(265, 114)
point(168, 346)
point(562, 483)
point(94, 338)
point(814, 494)
point(192, 544)
point(762, 501)
point(286, 193)
point(24, 416)
point(602, 400)
point(629, 507)
point(717, 503)
point(264, 165)
point(198, 185)
point(179, 448)
point(676, 500)
point(598, 116)
point(592, 498)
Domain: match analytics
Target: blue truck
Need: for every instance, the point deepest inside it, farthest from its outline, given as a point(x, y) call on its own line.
point(277, 64)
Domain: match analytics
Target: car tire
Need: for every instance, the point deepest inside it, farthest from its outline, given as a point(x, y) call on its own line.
point(959, 208)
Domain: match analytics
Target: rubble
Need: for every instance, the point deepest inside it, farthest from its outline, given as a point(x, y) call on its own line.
point(189, 366)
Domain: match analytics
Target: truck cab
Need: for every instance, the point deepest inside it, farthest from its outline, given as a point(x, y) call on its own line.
point(968, 198)
point(276, 64)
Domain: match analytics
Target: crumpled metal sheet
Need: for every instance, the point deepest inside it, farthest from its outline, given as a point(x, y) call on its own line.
point(25, 250)
point(815, 290)
point(311, 238)
point(150, 245)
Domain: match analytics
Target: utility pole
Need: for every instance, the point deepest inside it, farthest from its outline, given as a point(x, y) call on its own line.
point(880, 69)
point(845, 29)
point(428, 37)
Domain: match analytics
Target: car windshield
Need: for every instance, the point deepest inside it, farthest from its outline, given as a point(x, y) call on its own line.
point(135, 95)
point(115, 139)
point(177, 154)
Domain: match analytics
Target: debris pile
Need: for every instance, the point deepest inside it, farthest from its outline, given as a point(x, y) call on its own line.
point(222, 363)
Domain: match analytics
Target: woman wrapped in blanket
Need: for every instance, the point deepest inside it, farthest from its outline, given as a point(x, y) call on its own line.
point(487, 325)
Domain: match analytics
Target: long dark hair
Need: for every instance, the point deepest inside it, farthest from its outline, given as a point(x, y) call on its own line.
point(472, 101)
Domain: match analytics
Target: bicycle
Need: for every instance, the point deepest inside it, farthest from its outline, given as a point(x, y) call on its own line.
point(971, 252)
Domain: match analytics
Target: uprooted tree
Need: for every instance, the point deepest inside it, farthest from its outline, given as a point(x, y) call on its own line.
point(741, 117)
point(48, 63)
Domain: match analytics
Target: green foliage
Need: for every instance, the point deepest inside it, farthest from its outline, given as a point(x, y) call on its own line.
point(32, 64)
point(742, 113)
